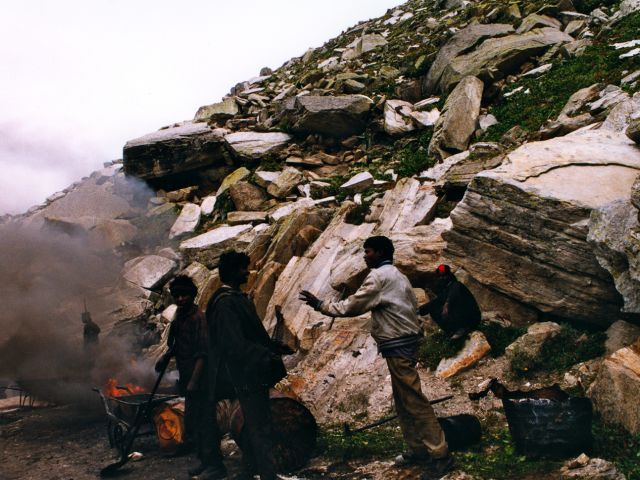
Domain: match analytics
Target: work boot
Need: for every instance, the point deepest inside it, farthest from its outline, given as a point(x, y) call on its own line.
point(459, 333)
point(213, 472)
point(412, 458)
point(438, 468)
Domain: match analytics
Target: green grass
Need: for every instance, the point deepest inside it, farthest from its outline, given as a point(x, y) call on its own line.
point(436, 346)
point(561, 352)
point(384, 441)
point(496, 458)
point(549, 93)
point(413, 158)
point(500, 337)
point(615, 444)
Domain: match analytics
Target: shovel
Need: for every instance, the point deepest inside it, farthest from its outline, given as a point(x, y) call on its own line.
point(141, 413)
point(347, 431)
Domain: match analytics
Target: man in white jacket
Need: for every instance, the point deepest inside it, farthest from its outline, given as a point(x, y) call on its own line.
point(396, 328)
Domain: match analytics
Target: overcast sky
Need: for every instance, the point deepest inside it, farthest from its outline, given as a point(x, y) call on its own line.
point(78, 78)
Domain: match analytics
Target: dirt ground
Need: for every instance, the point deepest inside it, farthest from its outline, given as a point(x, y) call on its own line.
point(63, 443)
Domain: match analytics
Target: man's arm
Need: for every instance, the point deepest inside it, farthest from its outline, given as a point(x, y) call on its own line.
point(364, 300)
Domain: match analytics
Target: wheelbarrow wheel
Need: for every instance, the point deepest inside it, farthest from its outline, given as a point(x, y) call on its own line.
point(118, 433)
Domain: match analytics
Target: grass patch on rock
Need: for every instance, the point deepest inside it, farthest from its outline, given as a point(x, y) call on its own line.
point(560, 352)
point(500, 337)
point(548, 94)
point(435, 346)
point(413, 157)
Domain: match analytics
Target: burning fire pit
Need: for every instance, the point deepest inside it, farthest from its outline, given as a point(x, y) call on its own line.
point(122, 407)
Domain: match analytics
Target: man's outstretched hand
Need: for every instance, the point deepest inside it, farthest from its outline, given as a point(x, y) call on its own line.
point(310, 299)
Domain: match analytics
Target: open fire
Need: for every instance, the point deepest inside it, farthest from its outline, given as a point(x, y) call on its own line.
point(113, 389)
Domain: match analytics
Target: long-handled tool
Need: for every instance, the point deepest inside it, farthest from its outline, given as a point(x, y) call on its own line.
point(348, 432)
point(140, 415)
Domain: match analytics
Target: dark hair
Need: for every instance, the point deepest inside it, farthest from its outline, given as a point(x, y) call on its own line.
point(382, 245)
point(230, 262)
point(183, 283)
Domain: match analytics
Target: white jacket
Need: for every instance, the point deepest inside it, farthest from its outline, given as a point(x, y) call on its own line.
point(388, 295)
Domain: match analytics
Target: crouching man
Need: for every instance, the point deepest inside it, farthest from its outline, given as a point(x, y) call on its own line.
point(188, 342)
point(395, 327)
point(455, 309)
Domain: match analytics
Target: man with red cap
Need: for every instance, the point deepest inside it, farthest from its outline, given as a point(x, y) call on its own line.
point(455, 310)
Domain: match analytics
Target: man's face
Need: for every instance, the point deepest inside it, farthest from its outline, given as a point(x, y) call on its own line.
point(183, 298)
point(371, 257)
point(242, 275)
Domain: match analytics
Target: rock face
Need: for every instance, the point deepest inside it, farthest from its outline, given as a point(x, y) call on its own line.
point(614, 234)
point(621, 334)
point(617, 387)
point(542, 198)
point(255, 145)
point(453, 130)
point(364, 44)
point(497, 57)
point(338, 116)
point(187, 147)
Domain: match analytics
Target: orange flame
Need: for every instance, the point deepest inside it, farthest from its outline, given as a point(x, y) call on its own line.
point(113, 389)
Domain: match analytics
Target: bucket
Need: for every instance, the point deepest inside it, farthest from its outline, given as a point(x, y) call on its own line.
point(542, 427)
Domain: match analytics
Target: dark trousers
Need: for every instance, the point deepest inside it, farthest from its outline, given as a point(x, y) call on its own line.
point(201, 427)
point(257, 445)
point(451, 323)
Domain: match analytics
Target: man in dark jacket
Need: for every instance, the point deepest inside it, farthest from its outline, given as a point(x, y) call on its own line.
point(188, 342)
point(455, 310)
point(244, 359)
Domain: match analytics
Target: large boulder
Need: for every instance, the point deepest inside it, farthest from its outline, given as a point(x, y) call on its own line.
point(247, 196)
point(227, 108)
point(408, 204)
point(614, 234)
point(186, 147)
point(459, 119)
point(338, 116)
point(497, 57)
point(255, 145)
point(461, 42)
point(522, 228)
point(149, 272)
point(397, 117)
point(285, 183)
point(362, 45)
point(207, 248)
point(616, 389)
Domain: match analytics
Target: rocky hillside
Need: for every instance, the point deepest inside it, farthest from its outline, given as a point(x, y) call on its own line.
point(499, 137)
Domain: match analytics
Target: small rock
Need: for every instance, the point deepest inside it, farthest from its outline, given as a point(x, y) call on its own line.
point(208, 204)
point(621, 334)
point(633, 130)
point(358, 183)
point(239, 218)
point(285, 183)
point(247, 196)
point(187, 221)
point(264, 178)
point(474, 349)
point(595, 469)
point(536, 72)
point(234, 177)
